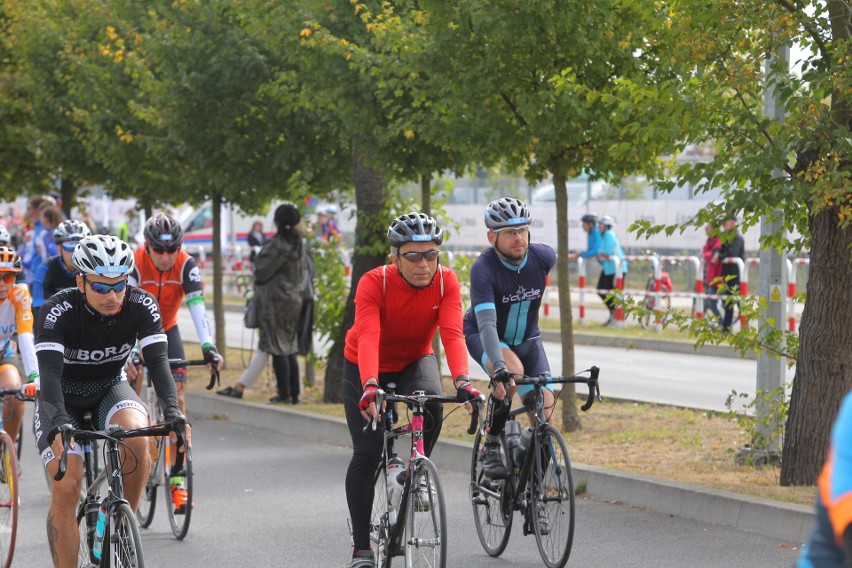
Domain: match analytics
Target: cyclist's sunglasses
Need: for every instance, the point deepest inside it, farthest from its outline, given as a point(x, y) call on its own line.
point(416, 257)
point(165, 250)
point(69, 246)
point(102, 288)
point(8, 278)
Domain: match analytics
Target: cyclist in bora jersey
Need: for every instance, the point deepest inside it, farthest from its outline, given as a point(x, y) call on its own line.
point(59, 272)
point(398, 308)
point(84, 336)
point(15, 317)
point(507, 283)
point(170, 274)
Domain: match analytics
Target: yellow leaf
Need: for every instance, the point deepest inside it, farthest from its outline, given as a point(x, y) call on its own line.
point(306, 32)
point(409, 134)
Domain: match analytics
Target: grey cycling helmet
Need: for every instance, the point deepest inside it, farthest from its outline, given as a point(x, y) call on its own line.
point(414, 228)
point(507, 212)
point(103, 255)
point(163, 230)
point(589, 218)
point(607, 221)
point(70, 230)
point(5, 237)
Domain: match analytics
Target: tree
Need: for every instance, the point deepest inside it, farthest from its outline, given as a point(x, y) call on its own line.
point(717, 52)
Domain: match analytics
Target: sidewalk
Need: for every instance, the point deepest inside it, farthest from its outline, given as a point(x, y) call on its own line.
point(762, 516)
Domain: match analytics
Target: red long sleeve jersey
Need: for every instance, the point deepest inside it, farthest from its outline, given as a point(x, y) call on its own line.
point(395, 323)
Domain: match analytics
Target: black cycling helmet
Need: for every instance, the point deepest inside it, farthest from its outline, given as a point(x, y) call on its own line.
point(70, 230)
point(507, 212)
point(589, 218)
point(414, 227)
point(163, 230)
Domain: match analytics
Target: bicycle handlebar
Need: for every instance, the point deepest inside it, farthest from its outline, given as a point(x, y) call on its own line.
point(591, 381)
point(117, 433)
point(176, 363)
point(420, 399)
point(16, 393)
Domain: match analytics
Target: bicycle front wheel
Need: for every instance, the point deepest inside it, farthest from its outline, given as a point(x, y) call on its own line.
point(96, 494)
point(9, 499)
point(380, 519)
point(426, 524)
point(488, 496)
point(123, 540)
point(553, 499)
point(178, 501)
point(148, 503)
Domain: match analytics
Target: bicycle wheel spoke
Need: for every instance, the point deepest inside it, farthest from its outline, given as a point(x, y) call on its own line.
point(553, 500)
point(486, 496)
point(379, 518)
point(426, 525)
point(125, 542)
point(178, 516)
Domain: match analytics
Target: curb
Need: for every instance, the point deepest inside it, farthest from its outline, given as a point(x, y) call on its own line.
point(762, 516)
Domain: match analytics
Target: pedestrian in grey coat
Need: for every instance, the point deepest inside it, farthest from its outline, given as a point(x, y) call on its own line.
point(279, 281)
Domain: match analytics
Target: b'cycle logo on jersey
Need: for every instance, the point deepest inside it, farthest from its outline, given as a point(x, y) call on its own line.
point(521, 295)
point(55, 311)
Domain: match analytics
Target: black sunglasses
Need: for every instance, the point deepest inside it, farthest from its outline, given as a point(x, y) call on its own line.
point(416, 257)
point(165, 250)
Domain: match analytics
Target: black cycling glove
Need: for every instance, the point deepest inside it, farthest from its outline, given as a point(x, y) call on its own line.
point(211, 354)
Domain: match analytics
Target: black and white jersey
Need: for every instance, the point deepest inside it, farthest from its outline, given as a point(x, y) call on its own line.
point(81, 353)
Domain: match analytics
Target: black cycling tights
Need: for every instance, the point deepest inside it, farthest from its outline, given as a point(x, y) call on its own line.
point(367, 446)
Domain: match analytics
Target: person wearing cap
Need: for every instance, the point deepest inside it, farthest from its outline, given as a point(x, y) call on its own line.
point(593, 238)
point(733, 246)
point(398, 309)
point(279, 276)
point(609, 250)
point(507, 284)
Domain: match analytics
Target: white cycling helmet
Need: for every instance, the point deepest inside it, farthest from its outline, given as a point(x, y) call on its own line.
point(5, 237)
point(103, 255)
point(607, 221)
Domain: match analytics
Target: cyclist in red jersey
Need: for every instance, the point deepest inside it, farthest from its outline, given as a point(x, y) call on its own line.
point(170, 274)
point(398, 308)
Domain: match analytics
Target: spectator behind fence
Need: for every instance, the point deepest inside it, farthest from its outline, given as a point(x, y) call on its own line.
point(256, 239)
point(733, 247)
point(712, 270)
point(279, 285)
point(610, 249)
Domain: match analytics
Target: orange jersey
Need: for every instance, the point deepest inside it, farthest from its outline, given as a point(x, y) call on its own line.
point(184, 279)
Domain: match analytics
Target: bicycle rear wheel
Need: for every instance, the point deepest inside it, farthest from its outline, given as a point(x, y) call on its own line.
point(148, 503)
point(488, 496)
point(122, 543)
point(178, 519)
point(380, 519)
point(553, 499)
point(426, 523)
point(9, 499)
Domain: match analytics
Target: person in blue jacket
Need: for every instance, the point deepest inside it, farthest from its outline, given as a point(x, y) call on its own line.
point(608, 251)
point(593, 239)
point(830, 545)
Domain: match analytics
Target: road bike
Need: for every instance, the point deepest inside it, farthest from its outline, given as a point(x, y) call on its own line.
point(178, 498)
point(108, 529)
point(651, 310)
point(539, 484)
point(9, 488)
point(408, 516)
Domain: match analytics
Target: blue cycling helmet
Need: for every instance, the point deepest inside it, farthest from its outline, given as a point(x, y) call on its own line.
point(507, 212)
point(414, 227)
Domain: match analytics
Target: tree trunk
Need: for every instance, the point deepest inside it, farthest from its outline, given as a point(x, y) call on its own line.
point(68, 194)
point(371, 194)
point(218, 300)
point(824, 366)
point(570, 418)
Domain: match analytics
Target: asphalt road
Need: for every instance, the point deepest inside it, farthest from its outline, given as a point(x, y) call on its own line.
point(687, 380)
point(266, 499)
